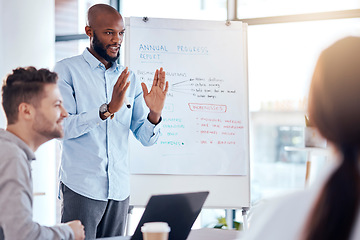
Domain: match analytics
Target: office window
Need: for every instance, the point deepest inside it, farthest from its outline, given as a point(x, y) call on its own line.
point(281, 62)
point(70, 19)
point(185, 9)
point(70, 15)
point(266, 8)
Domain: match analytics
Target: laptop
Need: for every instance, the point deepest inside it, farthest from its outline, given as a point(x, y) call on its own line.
point(178, 210)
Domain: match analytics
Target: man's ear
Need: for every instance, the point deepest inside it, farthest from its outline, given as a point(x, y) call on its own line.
point(26, 111)
point(89, 31)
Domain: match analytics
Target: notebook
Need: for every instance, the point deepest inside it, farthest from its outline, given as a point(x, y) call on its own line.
point(178, 210)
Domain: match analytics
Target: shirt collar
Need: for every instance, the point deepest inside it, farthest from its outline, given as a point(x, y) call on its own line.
point(17, 141)
point(95, 63)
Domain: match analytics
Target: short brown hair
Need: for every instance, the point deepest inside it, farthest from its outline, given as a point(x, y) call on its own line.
point(24, 85)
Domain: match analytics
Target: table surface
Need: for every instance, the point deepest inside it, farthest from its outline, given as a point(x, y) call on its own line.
point(200, 234)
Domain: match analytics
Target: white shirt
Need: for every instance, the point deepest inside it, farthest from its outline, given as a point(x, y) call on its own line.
point(284, 218)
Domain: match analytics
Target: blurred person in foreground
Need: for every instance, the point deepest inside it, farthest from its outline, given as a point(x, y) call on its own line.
point(329, 209)
point(33, 107)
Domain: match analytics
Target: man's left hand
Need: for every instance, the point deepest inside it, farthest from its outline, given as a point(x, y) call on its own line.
point(155, 99)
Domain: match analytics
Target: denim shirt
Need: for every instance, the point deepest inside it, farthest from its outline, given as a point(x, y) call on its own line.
point(94, 159)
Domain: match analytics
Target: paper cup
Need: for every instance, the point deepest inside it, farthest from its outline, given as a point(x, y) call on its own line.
point(155, 231)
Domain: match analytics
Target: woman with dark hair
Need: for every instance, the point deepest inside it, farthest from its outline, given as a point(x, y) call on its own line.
point(329, 209)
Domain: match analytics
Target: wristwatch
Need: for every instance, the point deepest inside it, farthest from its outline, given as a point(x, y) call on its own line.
point(104, 110)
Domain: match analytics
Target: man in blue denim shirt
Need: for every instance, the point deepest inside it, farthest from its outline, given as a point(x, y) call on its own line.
point(94, 171)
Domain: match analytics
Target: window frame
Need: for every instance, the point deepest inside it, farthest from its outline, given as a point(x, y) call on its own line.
point(73, 37)
point(233, 16)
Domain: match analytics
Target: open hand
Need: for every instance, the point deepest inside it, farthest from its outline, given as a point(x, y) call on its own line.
point(119, 92)
point(155, 99)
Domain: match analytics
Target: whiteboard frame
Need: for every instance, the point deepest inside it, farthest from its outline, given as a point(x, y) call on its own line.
point(228, 192)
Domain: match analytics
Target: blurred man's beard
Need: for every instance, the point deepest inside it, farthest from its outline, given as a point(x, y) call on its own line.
point(101, 50)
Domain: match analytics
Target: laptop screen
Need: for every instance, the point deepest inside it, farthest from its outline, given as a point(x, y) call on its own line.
point(178, 210)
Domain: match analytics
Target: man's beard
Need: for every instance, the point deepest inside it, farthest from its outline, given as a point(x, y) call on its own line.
point(46, 128)
point(101, 50)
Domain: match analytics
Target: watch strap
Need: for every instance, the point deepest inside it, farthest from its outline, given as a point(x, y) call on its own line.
point(104, 109)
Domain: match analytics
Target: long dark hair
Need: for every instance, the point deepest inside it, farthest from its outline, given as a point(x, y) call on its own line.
point(334, 109)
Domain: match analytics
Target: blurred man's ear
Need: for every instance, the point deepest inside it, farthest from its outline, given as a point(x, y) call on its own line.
point(26, 111)
point(89, 31)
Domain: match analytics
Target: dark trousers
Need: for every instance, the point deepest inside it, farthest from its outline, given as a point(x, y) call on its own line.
point(100, 218)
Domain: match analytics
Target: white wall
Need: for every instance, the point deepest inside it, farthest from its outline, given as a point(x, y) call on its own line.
point(27, 37)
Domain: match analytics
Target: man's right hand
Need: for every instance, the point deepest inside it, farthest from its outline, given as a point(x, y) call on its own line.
point(78, 229)
point(119, 91)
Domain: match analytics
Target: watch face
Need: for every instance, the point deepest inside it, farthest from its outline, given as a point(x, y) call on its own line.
point(103, 108)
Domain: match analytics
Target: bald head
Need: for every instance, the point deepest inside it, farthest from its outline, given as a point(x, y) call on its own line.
point(99, 12)
point(106, 30)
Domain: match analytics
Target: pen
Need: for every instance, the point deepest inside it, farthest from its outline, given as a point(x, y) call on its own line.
point(126, 101)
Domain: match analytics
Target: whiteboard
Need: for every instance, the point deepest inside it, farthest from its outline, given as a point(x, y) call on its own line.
point(204, 141)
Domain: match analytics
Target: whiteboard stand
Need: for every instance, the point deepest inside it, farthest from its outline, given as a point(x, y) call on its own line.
point(245, 222)
point(230, 217)
point(127, 224)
